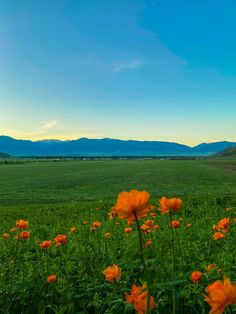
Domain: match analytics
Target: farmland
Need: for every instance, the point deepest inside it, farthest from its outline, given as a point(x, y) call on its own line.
point(54, 196)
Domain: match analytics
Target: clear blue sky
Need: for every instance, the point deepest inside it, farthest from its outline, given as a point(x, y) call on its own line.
point(140, 69)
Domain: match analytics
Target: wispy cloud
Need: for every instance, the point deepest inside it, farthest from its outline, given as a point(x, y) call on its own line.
point(116, 67)
point(48, 125)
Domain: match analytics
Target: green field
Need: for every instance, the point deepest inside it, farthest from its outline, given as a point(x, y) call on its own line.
point(54, 196)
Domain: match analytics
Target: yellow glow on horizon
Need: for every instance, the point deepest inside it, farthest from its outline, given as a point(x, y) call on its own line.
point(181, 140)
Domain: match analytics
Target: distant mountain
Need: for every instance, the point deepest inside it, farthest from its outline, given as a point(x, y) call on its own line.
point(212, 148)
point(105, 147)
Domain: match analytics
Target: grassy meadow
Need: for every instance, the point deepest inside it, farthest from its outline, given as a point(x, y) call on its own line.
point(55, 196)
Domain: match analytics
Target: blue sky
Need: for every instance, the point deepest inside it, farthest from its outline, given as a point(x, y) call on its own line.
point(129, 69)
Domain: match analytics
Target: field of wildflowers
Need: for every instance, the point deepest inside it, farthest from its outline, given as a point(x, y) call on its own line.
point(136, 252)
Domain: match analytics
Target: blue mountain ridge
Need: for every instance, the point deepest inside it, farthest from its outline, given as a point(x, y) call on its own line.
point(106, 147)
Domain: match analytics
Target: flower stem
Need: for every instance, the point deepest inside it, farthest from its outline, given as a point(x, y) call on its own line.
point(141, 251)
point(173, 265)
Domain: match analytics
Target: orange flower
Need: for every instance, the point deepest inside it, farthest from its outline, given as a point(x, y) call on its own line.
point(85, 223)
point(111, 214)
point(219, 295)
point(112, 273)
point(189, 225)
point(96, 224)
point(169, 204)
point(45, 244)
point(155, 227)
point(210, 266)
point(132, 204)
point(138, 298)
point(22, 224)
point(13, 229)
point(60, 239)
point(148, 242)
point(51, 278)
point(107, 235)
point(145, 228)
point(72, 229)
point(228, 209)
point(222, 225)
point(5, 235)
point(234, 219)
point(218, 236)
point(24, 235)
point(153, 214)
point(196, 276)
point(175, 224)
point(128, 230)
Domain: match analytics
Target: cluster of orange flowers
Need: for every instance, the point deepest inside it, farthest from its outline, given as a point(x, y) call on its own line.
point(148, 225)
point(221, 228)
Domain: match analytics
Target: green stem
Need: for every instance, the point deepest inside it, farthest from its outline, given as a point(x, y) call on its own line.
point(173, 265)
point(141, 251)
point(180, 250)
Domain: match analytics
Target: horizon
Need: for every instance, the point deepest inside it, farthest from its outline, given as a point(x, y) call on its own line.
point(163, 70)
point(119, 139)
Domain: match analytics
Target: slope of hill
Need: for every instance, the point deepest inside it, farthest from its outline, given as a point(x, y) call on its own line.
point(229, 152)
point(4, 155)
point(106, 147)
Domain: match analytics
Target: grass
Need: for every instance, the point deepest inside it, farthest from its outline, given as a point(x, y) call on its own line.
point(54, 196)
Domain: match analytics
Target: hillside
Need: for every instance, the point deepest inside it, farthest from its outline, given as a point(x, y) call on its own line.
point(106, 147)
point(229, 152)
point(4, 155)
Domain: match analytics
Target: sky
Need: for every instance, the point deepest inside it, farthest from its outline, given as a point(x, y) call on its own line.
point(129, 69)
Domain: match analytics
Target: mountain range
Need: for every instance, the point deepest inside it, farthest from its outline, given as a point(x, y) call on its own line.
point(106, 147)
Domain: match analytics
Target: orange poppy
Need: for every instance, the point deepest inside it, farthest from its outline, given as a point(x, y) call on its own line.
point(169, 204)
point(128, 230)
point(196, 276)
point(24, 235)
point(175, 224)
point(148, 242)
point(222, 225)
point(132, 204)
point(219, 295)
point(45, 244)
point(96, 224)
point(112, 273)
point(228, 209)
point(145, 228)
point(5, 235)
point(138, 297)
point(107, 235)
point(60, 239)
point(189, 225)
point(51, 278)
point(22, 224)
point(210, 267)
point(155, 227)
point(72, 229)
point(85, 223)
point(153, 214)
point(218, 236)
